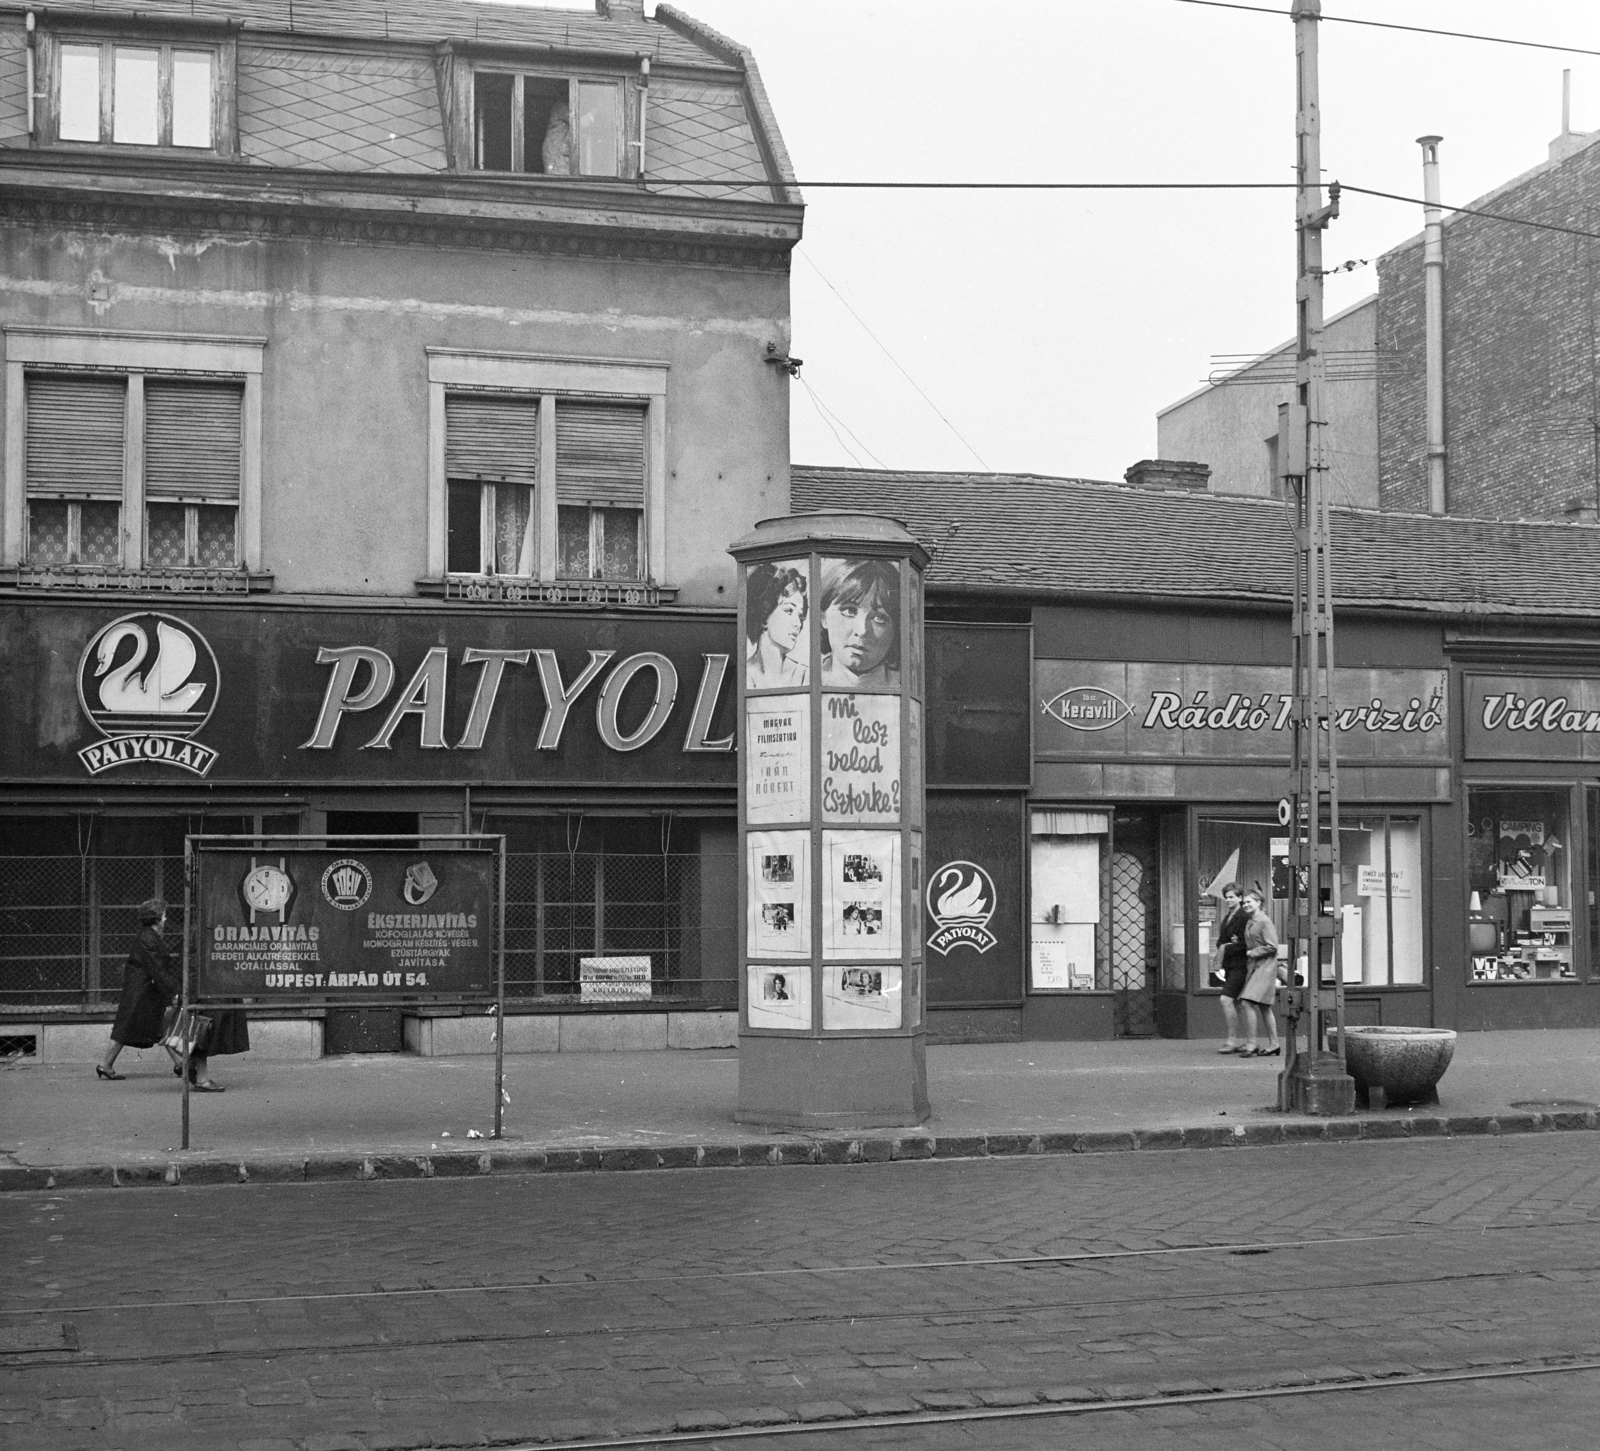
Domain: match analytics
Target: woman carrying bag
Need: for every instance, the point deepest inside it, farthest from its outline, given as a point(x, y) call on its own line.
point(150, 985)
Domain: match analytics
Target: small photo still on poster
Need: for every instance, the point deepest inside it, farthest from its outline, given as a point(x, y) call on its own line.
point(779, 997)
point(780, 893)
point(777, 612)
point(858, 606)
point(861, 894)
point(865, 996)
point(777, 759)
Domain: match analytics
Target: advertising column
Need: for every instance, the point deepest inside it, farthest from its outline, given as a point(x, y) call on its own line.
point(831, 1028)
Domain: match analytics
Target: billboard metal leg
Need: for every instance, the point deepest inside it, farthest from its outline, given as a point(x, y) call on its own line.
point(500, 1000)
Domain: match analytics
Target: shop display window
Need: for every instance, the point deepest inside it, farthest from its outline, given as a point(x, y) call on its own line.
point(1251, 851)
point(1069, 876)
point(1519, 874)
point(1380, 860)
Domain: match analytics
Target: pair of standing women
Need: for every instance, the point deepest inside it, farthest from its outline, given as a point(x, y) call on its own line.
point(1248, 943)
point(150, 986)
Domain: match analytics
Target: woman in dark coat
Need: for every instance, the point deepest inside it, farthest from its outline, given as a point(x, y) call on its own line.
point(149, 984)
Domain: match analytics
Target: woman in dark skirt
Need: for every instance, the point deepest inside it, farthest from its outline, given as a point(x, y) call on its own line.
point(149, 984)
point(229, 1033)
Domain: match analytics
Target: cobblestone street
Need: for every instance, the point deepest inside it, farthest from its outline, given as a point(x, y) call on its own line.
point(588, 1308)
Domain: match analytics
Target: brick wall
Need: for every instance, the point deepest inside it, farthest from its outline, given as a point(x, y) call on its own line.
point(1521, 379)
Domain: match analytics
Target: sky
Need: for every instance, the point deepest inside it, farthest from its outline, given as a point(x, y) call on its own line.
point(1042, 333)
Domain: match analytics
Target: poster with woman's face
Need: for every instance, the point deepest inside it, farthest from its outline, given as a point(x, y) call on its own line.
point(858, 604)
point(780, 893)
point(777, 613)
point(861, 894)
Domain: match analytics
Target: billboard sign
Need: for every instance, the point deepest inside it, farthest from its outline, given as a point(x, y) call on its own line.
point(344, 924)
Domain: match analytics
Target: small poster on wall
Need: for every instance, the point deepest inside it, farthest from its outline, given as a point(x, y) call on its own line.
point(780, 893)
point(861, 758)
point(777, 759)
point(1062, 957)
point(861, 893)
point(780, 997)
point(864, 996)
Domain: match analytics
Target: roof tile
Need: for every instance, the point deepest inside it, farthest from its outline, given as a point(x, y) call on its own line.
point(1024, 534)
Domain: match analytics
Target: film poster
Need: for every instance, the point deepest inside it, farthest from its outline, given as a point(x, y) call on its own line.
point(777, 759)
point(861, 894)
point(780, 893)
point(861, 996)
point(861, 758)
point(779, 997)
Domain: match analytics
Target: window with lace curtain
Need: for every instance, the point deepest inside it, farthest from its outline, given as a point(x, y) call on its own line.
point(137, 455)
point(546, 470)
point(190, 436)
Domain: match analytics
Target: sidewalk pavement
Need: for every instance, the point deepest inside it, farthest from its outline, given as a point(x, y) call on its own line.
point(402, 1116)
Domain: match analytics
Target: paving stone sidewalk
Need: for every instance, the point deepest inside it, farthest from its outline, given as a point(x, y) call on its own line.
point(401, 1116)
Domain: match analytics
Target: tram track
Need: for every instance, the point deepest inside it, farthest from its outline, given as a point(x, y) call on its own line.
point(974, 1314)
point(747, 1435)
point(1432, 1234)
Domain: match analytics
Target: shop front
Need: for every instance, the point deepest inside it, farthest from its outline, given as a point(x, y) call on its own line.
point(1158, 781)
point(1529, 836)
point(600, 743)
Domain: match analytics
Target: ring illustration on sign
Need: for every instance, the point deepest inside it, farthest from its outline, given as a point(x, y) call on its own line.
point(346, 884)
point(420, 883)
point(961, 903)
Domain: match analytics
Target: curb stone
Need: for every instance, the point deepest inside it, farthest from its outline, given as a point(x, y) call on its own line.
point(829, 1151)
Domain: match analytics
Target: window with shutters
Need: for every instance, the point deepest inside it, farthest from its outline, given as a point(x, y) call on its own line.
point(600, 489)
point(132, 471)
point(75, 448)
point(492, 459)
point(546, 470)
point(193, 463)
point(139, 88)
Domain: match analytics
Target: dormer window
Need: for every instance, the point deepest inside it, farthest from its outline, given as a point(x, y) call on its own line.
point(547, 125)
point(156, 93)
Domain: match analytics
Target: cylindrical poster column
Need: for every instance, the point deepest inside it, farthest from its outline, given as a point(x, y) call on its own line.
point(831, 1029)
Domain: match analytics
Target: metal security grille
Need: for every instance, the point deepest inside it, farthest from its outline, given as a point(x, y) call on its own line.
point(67, 923)
point(1132, 977)
point(565, 909)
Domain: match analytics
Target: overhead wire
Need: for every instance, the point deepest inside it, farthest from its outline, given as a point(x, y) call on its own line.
point(834, 424)
point(903, 373)
point(1395, 25)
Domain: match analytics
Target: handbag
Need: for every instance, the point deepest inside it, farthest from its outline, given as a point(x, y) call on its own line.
point(187, 1028)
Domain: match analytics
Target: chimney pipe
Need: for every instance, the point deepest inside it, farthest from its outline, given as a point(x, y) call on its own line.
point(1433, 296)
point(1566, 103)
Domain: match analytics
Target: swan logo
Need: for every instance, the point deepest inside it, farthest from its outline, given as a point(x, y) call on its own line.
point(148, 683)
point(961, 902)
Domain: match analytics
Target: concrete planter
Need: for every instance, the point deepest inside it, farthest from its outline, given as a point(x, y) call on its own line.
point(1405, 1064)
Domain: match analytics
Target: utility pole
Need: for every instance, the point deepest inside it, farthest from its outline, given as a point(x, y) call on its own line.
point(1314, 1082)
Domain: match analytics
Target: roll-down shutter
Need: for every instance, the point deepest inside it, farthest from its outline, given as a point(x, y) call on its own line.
point(193, 440)
point(491, 438)
point(75, 431)
point(600, 454)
